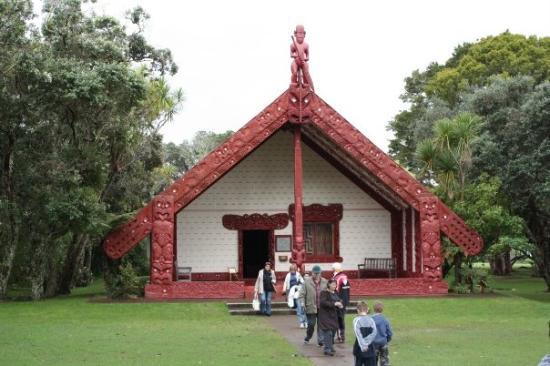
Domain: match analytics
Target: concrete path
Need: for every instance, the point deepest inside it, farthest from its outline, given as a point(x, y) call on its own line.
point(287, 326)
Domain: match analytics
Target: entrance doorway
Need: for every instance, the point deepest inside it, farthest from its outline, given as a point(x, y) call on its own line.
point(255, 251)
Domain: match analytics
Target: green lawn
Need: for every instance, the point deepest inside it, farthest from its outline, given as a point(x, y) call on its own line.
point(74, 331)
point(509, 327)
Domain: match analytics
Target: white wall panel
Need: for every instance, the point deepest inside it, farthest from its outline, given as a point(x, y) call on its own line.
point(263, 183)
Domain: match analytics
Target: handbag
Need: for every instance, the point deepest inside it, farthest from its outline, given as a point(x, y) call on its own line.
point(256, 303)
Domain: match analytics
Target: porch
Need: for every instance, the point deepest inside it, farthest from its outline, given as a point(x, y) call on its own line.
point(407, 286)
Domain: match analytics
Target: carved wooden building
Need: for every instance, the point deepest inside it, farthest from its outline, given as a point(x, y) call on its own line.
point(298, 183)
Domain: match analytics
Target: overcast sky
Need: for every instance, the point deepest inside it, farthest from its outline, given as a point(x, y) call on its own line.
point(233, 56)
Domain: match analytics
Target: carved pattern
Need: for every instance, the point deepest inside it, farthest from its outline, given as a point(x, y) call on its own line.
point(430, 238)
point(255, 221)
point(299, 100)
point(456, 230)
point(319, 213)
point(162, 243)
point(399, 286)
point(120, 241)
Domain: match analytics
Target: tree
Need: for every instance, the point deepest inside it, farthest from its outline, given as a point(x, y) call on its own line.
point(91, 97)
point(516, 148)
point(182, 157)
point(471, 66)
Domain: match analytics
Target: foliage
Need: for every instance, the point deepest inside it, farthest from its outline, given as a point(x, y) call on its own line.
point(440, 89)
point(83, 99)
point(124, 284)
point(180, 158)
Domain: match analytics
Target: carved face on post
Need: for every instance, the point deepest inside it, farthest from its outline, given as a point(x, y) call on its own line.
point(300, 34)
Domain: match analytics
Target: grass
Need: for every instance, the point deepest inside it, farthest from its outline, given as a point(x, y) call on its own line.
point(75, 331)
point(509, 327)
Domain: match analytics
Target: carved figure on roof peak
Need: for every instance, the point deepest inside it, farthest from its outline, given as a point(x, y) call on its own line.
point(299, 51)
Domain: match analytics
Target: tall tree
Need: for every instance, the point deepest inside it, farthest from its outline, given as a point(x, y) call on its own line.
point(91, 119)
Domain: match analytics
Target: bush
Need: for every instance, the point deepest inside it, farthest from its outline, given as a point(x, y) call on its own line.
point(124, 284)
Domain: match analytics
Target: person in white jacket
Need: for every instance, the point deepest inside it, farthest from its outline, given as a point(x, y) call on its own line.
point(291, 287)
point(265, 287)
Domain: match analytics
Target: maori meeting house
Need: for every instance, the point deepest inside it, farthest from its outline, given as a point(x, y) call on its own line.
point(297, 184)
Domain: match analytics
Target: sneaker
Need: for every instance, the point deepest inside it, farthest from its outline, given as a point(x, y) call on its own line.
point(319, 345)
point(331, 353)
point(306, 341)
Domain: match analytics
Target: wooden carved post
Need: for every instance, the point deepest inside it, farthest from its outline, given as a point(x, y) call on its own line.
point(429, 236)
point(162, 240)
point(298, 250)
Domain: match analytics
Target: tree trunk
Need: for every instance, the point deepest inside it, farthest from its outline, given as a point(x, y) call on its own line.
point(72, 260)
point(458, 268)
point(9, 228)
point(39, 266)
point(501, 264)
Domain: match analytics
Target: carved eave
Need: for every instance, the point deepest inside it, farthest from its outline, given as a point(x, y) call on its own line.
point(255, 222)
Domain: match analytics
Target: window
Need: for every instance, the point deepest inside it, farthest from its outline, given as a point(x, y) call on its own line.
point(319, 240)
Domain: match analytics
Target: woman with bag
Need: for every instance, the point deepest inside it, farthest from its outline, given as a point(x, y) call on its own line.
point(291, 287)
point(264, 288)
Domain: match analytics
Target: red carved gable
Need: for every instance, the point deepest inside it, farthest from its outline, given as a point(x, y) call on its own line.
point(334, 127)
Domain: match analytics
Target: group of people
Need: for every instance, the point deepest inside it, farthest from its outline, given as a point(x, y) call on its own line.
point(323, 302)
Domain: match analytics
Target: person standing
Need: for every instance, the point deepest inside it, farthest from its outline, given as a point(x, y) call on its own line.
point(330, 303)
point(365, 334)
point(343, 291)
point(265, 287)
point(309, 300)
point(293, 283)
point(384, 335)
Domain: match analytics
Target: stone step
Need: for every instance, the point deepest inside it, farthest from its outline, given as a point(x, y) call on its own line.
point(277, 308)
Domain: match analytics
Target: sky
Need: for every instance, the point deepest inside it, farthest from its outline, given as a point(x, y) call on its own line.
point(233, 56)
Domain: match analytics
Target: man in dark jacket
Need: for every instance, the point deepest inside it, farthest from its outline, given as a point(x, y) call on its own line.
point(343, 291)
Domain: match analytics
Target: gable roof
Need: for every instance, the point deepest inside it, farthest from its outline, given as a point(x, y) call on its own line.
point(325, 127)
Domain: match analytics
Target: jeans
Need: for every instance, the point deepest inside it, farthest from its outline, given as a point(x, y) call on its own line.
point(300, 313)
point(311, 320)
point(328, 340)
point(265, 303)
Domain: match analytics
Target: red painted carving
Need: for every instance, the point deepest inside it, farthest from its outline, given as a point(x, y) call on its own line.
point(298, 248)
point(120, 241)
point(409, 240)
point(430, 238)
point(456, 230)
point(320, 213)
point(299, 100)
point(255, 221)
point(299, 51)
point(397, 240)
point(399, 286)
point(162, 241)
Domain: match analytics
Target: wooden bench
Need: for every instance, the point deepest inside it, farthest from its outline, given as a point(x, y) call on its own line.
point(378, 265)
point(184, 273)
